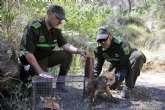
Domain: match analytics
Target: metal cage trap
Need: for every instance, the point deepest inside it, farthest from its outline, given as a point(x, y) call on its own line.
point(47, 97)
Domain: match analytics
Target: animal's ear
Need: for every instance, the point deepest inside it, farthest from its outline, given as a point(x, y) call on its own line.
point(113, 73)
point(105, 71)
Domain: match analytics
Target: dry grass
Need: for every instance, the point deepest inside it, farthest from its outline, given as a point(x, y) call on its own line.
point(155, 61)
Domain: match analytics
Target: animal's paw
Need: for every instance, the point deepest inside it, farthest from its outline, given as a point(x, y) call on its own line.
point(93, 103)
point(87, 100)
point(114, 100)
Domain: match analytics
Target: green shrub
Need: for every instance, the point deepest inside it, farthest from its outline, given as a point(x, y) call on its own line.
point(136, 35)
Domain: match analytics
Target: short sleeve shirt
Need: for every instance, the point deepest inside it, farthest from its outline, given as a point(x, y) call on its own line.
point(40, 41)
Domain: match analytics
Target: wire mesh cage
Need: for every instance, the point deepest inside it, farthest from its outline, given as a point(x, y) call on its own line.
point(47, 97)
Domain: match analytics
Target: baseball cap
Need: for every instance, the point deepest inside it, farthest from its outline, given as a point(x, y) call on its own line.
point(58, 10)
point(102, 33)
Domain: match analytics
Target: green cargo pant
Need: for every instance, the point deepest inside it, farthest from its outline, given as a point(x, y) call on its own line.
point(137, 59)
point(57, 57)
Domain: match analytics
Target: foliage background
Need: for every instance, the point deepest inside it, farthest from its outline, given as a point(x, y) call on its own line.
point(143, 25)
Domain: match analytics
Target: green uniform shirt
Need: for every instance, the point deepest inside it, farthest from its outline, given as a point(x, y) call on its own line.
point(117, 54)
point(40, 41)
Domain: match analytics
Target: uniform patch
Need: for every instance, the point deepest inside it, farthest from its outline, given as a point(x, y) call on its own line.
point(116, 55)
point(126, 50)
point(36, 25)
point(107, 58)
point(117, 40)
point(42, 39)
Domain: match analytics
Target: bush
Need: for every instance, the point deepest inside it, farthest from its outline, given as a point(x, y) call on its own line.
point(136, 35)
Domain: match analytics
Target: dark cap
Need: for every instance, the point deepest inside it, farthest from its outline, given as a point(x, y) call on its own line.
point(58, 10)
point(102, 33)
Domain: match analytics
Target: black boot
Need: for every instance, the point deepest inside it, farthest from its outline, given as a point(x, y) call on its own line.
point(61, 87)
point(125, 93)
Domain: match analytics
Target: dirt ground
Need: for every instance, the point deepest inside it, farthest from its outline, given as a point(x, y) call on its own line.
point(148, 94)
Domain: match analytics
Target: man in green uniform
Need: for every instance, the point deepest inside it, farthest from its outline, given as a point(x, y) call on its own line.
point(39, 40)
point(126, 61)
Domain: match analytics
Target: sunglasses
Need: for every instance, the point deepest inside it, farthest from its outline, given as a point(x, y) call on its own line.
point(102, 40)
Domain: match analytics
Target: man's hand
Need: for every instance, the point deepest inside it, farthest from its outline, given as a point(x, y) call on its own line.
point(84, 53)
point(70, 48)
point(46, 75)
point(33, 62)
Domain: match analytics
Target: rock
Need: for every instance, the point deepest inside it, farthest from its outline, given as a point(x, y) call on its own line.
point(8, 64)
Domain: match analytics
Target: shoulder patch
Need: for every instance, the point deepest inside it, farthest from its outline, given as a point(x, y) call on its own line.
point(36, 25)
point(117, 40)
point(126, 50)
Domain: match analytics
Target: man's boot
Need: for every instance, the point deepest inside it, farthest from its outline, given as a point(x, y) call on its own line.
point(60, 85)
point(125, 93)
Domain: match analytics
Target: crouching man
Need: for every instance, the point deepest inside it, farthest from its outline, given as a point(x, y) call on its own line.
point(38, 44)
point(126, 61)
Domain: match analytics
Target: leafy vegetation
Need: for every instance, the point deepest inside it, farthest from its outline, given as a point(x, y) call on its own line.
point(138, 33)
